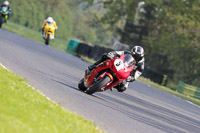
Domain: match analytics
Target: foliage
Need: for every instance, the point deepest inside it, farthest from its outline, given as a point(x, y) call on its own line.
point(174, 41)
point(168, 30)
point(71, 22)
point(120, 15)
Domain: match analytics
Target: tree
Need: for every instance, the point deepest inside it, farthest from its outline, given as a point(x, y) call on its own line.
point(168, 30)
point(32, 13)
point(174, 40)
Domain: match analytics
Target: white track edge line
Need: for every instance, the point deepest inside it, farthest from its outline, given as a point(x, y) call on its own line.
point(34, 88)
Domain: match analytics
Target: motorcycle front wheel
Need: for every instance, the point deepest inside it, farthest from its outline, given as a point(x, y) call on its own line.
point(1, 21)
point(98, 85)
point(81, 85)
point(47, 40)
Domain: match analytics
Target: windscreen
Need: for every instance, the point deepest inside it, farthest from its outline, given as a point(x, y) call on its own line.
point(4, 9)
point(129, 60)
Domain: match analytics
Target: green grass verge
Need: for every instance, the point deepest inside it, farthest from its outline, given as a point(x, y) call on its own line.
point(25, 110)
point(34, 35)
point(171, 91)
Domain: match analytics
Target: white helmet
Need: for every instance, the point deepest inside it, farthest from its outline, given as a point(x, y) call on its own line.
point(49, 19)
point(6, 3)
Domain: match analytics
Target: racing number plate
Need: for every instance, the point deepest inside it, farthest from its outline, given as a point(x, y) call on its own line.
point(119, 64)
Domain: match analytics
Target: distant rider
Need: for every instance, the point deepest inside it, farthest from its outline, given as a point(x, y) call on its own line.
point(48, 21)
point(138, 54)
point(6, 4)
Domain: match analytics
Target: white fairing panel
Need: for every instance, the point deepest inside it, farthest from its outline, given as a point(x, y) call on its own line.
point(119, 64)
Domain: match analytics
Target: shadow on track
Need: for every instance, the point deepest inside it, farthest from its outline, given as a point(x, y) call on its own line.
point(68, 85)
point(152, 114)
point(72, 86)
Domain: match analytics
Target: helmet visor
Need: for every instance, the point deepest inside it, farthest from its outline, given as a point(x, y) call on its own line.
point(49, 23)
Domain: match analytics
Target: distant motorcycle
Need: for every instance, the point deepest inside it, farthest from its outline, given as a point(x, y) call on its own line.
point(107, 74)
point(49, 31)
point(3, 15)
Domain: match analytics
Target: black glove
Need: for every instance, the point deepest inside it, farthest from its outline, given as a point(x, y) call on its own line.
point(104, 56)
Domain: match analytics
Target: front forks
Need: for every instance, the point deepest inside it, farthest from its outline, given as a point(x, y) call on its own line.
point(6, 17)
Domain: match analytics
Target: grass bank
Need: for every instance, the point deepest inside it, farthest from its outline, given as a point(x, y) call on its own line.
point(23, 109)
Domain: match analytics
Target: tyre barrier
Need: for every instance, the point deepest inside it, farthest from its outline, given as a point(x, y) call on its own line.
point(155, 76)
point(72, 45)
point(188, 90)
point(83, 49)
point(97, 52)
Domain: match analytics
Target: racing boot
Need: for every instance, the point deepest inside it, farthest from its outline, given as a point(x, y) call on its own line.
point(91, 67)
point(121, 87)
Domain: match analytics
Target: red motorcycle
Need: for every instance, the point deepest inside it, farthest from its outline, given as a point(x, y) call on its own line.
point(107, 74)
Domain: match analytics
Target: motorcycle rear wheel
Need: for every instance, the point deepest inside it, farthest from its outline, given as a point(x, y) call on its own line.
point(98, 85)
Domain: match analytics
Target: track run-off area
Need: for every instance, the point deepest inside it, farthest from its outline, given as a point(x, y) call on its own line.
point(140, 109)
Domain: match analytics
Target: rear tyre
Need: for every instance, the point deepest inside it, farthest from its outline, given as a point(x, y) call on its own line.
point(81, 85)
point(47, 40)
point(97, 86)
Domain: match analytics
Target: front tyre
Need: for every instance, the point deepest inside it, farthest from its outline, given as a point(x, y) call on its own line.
point(81, 85)
point(47, 40)
point(1, 21)
point(98, 85)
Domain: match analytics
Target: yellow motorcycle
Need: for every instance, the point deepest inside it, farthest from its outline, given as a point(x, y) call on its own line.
point(49, 31)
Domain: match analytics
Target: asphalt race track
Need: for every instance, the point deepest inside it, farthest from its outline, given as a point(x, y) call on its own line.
point(140, 109)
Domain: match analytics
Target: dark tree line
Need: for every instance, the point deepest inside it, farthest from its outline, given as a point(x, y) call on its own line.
point(169, 31)
point(71, 21)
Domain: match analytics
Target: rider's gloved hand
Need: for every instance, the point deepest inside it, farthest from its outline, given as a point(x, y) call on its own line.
point(104, 56)
point(111, 55)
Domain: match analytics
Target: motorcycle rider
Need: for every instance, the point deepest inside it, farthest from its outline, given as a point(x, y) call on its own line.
point(49, 21)
point(138, 54)
point(6, 4)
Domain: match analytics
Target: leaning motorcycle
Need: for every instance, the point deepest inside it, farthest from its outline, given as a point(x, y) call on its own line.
point(107, 74)
point(49, 31)
point(3, 15)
